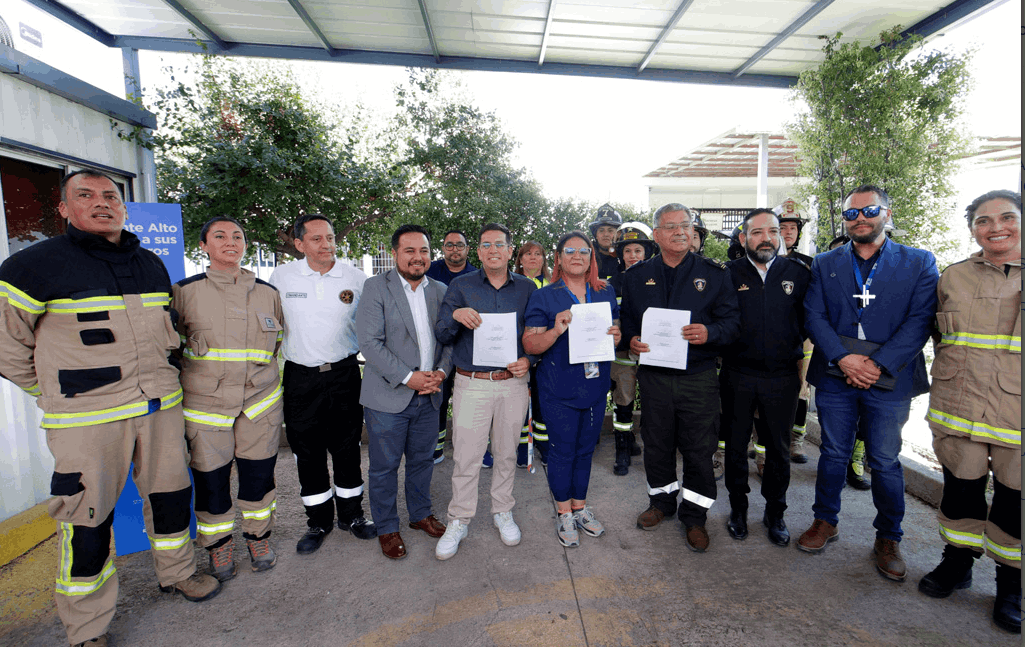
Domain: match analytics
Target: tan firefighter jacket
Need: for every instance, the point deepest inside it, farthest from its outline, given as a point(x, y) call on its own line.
point(84, 325)
point(976, 386)
point(231, 331)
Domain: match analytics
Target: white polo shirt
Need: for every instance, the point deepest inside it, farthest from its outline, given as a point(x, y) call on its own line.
point(320, 311)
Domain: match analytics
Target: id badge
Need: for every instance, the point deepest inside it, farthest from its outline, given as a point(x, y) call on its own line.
point(590, 370)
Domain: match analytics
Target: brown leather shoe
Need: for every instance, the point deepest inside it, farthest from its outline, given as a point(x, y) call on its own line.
point(650, 518)
point(889, 560)
point(392, 546)
point(697, 539)
point(814, 539)
point(430, 525)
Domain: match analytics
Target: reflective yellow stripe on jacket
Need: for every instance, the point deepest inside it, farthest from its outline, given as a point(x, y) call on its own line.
point(209, 419)
point(19, 299)
point(99, 304)
point(86, 418)
point(232, 355)
point(1010, 436)
point(264, 404)
point(989, 342)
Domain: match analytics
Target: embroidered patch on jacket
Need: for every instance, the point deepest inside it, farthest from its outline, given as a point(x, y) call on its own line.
point(743, 286)
point(346, 296)
point(650, 282)
point(700, 284)
point(788, 287)
point(295, 295)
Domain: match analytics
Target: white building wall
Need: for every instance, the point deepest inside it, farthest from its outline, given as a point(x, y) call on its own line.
point(34, 116)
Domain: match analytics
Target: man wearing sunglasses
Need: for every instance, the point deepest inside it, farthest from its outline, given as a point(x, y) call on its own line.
point(869, 312)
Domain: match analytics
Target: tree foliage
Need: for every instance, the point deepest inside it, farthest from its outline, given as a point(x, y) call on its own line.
point(247, 144)
point(890, 116)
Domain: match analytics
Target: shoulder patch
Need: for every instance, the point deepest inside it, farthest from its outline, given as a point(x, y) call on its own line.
point(193, 279)
point(714, 262)
point(260, 281)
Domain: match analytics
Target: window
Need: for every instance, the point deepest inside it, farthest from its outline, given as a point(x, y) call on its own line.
point(383, 260)
point(31, 193)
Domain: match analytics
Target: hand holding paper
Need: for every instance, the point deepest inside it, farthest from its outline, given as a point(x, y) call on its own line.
point(589, 338)
point(662, 332)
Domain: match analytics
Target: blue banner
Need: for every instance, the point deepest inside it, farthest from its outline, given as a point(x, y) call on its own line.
point(159, 228)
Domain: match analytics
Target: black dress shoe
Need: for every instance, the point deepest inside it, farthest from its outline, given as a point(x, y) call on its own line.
point(360, 527)
point(312, 540)
point(737, 525)
point(778, 533)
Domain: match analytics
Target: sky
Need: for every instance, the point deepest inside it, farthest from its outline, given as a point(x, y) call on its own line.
point(584, 138)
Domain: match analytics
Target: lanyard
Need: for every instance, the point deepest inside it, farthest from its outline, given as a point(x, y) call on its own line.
point(866, 283)
point(587, 295)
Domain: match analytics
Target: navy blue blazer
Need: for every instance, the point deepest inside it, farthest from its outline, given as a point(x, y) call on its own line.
point(900, 317)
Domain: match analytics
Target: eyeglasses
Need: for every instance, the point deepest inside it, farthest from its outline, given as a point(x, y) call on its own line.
point(679, 226)
point(870, 211)
point(583, 251)
point(498, 246)
point(454, 245)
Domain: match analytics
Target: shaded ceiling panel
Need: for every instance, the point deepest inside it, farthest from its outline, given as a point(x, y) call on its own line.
point(709, 41)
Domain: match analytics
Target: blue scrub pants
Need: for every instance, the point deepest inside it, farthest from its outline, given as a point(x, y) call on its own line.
point(572, 435)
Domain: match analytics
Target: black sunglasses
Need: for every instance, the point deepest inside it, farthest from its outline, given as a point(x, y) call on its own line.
point(870, 212)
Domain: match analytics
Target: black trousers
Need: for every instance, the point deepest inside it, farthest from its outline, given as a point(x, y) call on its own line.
point(323, 415)
point(775, 399)
point(446, 397)
point(679, 415)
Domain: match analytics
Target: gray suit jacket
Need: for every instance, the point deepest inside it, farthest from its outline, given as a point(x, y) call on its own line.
point(387, 339)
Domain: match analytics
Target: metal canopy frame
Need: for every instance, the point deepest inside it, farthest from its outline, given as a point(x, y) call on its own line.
point(500, 60)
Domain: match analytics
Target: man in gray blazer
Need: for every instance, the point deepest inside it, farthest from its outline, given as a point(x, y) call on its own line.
point(401, 392)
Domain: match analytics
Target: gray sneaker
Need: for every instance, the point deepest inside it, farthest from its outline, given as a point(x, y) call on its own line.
point(566, 526)
point(585, 521)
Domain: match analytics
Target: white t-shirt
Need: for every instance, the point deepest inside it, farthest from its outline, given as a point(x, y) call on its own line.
point(320, 311)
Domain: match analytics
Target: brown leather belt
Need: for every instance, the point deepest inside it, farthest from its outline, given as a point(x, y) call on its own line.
point(494, 376)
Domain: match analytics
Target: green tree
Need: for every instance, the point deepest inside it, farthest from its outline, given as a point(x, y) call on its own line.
point(245, 143)
point(887, 115)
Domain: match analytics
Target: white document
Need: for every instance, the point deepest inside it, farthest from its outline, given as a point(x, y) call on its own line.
point(589, 338)
point(494, 341)
point(661, 330)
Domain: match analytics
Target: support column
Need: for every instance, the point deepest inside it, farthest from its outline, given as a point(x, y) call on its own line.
point(147, 180)
point(763, 172)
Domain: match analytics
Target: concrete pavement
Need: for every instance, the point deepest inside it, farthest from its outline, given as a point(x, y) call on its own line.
point(628, 587)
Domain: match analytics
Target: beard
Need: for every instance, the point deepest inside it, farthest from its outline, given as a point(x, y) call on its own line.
point(412, 273)
point(869, 237)
point(763, 254)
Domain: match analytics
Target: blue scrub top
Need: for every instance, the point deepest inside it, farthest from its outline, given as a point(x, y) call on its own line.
point(556, 377)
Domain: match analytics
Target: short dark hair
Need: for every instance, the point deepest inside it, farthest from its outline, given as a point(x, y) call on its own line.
point(86, 173)
point(496, 226)
point(757, 212)
point(299, 229)
point(999, 194)
point(454, 231)
point(210, 223)
point(408, 229)
point(884, 197)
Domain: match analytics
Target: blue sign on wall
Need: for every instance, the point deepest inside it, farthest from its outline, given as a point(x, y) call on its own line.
point(159, 228)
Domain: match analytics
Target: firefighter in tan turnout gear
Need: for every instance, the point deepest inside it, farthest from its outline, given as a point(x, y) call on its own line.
point(975, 408)
point(85, 326)
point(230, 326)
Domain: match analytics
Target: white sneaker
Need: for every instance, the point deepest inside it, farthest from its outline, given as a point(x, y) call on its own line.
point(507, 528)
point(449, 542)
point(566, 526)
point(585, 521)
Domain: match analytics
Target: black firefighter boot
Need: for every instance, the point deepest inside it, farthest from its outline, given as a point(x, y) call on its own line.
point(954, 572)
point(624, 421)
point(1007, 606)
point(622, 466)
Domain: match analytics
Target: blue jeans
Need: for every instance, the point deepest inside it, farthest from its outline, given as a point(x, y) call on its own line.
point(841, 415)
point(412, 432)
point(572, 435)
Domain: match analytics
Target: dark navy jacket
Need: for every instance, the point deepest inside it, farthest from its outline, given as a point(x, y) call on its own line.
point(703, 286)
point(771, 317)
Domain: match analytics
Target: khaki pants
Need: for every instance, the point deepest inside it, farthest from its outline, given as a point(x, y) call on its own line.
point(480, 406)
point(253, 445)
point(90, 468)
